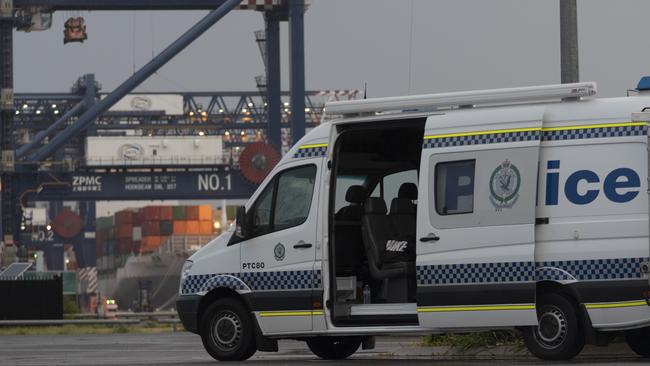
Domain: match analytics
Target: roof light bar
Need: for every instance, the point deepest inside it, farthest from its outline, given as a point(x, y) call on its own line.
point(467, 98)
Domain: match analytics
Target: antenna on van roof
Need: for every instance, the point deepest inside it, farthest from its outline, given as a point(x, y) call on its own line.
point(432, 102)
point(365, 90)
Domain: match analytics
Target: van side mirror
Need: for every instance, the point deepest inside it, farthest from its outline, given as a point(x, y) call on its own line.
point(241, 227)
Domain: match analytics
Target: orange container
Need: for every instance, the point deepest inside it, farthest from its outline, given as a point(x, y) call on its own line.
point(180, 227)
point(166, 213)
point(150, 243)
point(193, 227)
point(205, 212)
point(205, 227)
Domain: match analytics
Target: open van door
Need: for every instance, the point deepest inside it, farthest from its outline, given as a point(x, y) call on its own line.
point(476, 218)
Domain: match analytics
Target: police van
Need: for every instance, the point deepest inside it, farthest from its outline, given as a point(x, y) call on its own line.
point(520, 208)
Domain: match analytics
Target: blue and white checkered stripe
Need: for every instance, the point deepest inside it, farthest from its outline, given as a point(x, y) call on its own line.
point(253, 281)
point(594, 133)
point(599, 269)
point(311, 152)
point(514, 272)
point(569, 133)
point(482, 139)
point(476, 273)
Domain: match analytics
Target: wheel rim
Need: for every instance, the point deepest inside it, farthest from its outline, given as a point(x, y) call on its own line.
point(226, 330)
point(552, 329)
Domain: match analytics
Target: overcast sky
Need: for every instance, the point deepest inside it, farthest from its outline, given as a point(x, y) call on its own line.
point(456, 45)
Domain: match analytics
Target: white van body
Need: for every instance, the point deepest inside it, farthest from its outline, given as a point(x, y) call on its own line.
point(517, 195)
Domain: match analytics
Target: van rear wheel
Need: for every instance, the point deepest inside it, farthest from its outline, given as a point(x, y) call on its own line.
point(334, 348)
point(639, 341)
point(227, 331)
point(558, 335)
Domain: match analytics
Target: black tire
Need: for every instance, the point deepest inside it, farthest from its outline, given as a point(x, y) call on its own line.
point(559, 335)
point(334, 348)
point(639, 341)
point(227, 331)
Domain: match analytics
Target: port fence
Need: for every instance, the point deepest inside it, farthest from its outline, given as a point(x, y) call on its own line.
point(119, 318)
point(33, 298)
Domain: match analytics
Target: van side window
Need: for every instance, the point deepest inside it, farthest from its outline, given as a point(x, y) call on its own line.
point(285, 202)
point(295, 188)
point(455, 187)
point(262, 211)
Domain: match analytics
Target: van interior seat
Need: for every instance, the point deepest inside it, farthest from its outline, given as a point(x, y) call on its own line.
point(355, 195)
point(403, 214)
point(408, 191)
point(349, 249)
point(378, 234)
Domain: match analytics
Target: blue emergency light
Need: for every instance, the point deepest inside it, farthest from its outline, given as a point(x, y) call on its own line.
point(644, 84)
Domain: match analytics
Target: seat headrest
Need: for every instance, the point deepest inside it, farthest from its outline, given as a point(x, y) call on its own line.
point(355, 194)
point(408, 190)
point(375, 206)
point(402, 206)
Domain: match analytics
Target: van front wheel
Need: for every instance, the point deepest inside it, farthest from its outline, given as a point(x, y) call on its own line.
point(558, 335)
point(334, 348)
point(227, 331)
point(639, 341)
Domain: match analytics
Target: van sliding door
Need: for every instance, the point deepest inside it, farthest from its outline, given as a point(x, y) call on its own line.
point(476, 218)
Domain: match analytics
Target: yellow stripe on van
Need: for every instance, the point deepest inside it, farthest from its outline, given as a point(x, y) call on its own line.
point(444, 309)
point(602, 125)
point(491, 132)
point(564, 128)
point(312, 146)
point(610, 305)
point(291, 313)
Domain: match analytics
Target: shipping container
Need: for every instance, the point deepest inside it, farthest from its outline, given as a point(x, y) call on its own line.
point(104, 223)
point(191, 212)
point(151, 213)
point(166, 213)
point(137, 217)
point(124, 246)
point(180, 227)
point(156, 150)
point(166, 227)
point(123, 217)
point(193, 227)
point(205, 213)
point(124, 231)
point(151, 228)
point(150, 243)
point(178, 213)
point(205, 227)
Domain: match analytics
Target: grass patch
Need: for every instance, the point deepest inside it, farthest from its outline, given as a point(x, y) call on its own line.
point(70, 329)
point(470, 341)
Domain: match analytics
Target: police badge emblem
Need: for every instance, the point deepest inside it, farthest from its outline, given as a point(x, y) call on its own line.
point(279, 252)
point(504, 185)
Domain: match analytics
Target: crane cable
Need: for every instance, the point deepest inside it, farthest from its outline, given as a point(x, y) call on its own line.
point(411, 44)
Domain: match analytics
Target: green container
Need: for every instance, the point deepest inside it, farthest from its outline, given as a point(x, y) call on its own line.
point(178, 213)
point(104, 223)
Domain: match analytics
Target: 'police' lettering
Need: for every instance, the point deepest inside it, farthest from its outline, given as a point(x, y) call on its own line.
point(582, 187)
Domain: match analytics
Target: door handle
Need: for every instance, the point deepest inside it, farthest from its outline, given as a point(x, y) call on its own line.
point(430, 238)
point(302, 245)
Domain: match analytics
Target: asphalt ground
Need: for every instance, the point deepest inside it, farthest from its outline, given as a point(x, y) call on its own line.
point(186, 349)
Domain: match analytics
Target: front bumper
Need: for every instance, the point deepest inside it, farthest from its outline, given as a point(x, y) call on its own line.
point(187, 307)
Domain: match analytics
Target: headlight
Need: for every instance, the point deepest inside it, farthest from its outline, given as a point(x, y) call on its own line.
point(187, 266)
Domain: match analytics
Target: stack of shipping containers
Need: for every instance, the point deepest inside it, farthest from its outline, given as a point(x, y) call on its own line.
point(140, 231)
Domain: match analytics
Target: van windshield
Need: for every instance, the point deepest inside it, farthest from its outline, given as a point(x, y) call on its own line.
point(343, 182)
